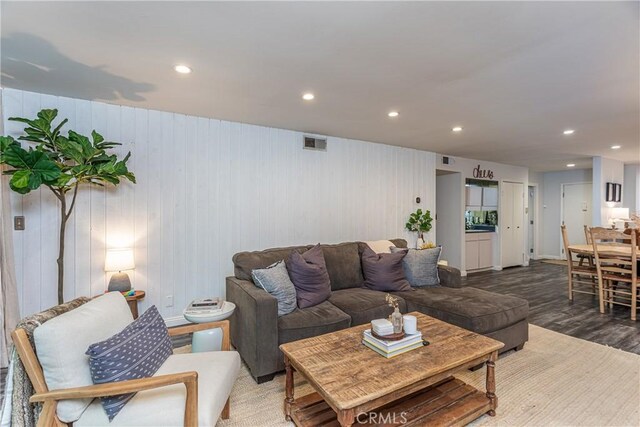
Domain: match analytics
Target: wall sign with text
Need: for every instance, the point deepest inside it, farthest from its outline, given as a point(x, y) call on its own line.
point(482, 173)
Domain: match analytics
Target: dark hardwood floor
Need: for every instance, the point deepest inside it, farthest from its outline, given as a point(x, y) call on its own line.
point(545, 287)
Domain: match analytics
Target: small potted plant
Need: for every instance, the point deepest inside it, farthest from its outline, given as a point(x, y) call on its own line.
point(420, 222)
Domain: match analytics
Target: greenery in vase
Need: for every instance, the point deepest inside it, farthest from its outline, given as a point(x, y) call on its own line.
point(60, 163)
point(419, 222)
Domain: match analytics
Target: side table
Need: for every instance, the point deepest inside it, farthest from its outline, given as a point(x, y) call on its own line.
point(210, 339)
point(133, 302)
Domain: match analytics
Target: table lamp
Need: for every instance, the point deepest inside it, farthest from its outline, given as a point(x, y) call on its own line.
point(119, 260)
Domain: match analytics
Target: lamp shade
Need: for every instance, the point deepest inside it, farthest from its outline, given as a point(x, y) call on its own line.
point(119, 260)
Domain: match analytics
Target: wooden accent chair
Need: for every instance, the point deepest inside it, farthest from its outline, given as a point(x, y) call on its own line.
point(616, 257)
point(582, 278)
point(160, 400)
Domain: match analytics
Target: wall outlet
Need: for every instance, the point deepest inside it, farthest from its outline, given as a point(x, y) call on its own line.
point(168, 301)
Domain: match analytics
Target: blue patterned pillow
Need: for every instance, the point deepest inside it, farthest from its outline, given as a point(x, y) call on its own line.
point(137, 351)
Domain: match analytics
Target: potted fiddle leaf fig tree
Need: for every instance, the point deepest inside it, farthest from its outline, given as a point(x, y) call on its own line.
point(419, 222)
point(61, 164)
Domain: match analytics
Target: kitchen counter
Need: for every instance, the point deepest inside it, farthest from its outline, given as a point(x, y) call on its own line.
point(479, 231)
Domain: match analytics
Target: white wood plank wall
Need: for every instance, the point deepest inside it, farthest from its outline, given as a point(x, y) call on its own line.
point(206, 190)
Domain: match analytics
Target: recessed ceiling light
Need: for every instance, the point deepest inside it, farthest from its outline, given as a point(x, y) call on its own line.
point(571, 165)
point(182, 69)
point(393, 114)
point(308, 96)
point(615, 147)
point(457, 129)
point(568, 132)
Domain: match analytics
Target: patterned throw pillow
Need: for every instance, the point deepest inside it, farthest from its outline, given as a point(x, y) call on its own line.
point(137, 351)
point(275, 280)
point(421, 266)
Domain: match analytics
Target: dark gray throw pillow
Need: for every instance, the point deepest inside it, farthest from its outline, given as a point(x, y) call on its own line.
point(137, 351)
point(275, 280)
point(383, 272)
point(309, 275)
point(421, 266)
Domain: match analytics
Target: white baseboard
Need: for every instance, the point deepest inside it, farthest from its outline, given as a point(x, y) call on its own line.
point(549, 257)
point(175, 321)
point(463, 273)
point(497, 268)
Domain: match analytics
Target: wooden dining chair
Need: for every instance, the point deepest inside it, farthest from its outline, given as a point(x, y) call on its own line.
point(582, 278)
point(616, 262)
point(586, 257)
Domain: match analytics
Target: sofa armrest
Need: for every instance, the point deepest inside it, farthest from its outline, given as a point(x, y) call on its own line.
point(449, 276)
point(254, 326)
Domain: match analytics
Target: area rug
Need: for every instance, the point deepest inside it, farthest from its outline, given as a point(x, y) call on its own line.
point(556, 380)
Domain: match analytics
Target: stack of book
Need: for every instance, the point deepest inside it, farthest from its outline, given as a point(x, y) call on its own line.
point(205, 307)
point(390, 349)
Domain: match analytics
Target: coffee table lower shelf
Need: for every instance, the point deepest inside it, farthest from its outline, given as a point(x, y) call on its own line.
point(448, 403)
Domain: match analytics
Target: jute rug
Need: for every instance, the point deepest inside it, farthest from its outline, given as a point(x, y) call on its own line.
point(557, 380)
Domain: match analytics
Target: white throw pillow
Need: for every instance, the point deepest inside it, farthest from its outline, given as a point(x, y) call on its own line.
point(380, 246)
point(61, 344)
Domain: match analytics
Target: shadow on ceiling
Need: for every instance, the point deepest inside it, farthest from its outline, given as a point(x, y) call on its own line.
point(32, 63)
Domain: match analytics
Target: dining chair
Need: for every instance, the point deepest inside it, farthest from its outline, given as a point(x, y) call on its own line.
point(582, 278)
point(587, 257)
point(616, 262)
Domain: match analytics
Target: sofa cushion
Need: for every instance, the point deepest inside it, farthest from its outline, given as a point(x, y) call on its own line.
point(137, 351)
point(343, 265)
point(364, 305)
point(420, 266)
point(217, 372)
point(470, 308)
point(308, 272)
point(245, 262)
point(309, 322)
point(62, 341)
point(383, 272)
point(275, 280)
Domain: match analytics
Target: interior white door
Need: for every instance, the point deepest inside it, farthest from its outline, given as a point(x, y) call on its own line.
point(576, 211)
point(512, 228)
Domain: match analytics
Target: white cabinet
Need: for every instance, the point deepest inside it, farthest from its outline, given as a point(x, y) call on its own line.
point(471, 255)
point(474, 196)
point(489, 198)
point(478, 250)
point(512, 224)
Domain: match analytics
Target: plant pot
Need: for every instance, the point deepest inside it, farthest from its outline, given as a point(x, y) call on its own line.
point(419, 243)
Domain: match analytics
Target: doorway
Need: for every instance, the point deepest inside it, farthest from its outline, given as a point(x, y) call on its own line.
point(576, 210)
point(450, 216)
point(532, 222)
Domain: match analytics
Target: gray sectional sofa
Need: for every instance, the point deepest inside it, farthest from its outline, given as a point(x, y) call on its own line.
point(257, 331)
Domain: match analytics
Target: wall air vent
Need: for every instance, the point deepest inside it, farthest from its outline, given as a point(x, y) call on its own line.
point(446, 160)
point(314, 143)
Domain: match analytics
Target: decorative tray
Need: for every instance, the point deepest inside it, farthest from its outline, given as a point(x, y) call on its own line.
point(392, 337)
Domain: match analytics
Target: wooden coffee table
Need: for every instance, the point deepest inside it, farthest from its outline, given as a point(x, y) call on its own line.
point(355, 385)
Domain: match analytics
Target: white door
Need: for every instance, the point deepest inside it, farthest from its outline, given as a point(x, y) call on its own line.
point(512, 228)
point(576, 212)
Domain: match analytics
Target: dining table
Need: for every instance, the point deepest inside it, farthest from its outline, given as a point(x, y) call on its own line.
point(624, 251)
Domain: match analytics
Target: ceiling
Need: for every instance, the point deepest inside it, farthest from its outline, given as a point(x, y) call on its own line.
point(513, 74)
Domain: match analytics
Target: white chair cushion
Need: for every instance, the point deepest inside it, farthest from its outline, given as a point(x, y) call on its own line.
point(62, 341)
point(217, 372)
point(380, 246)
